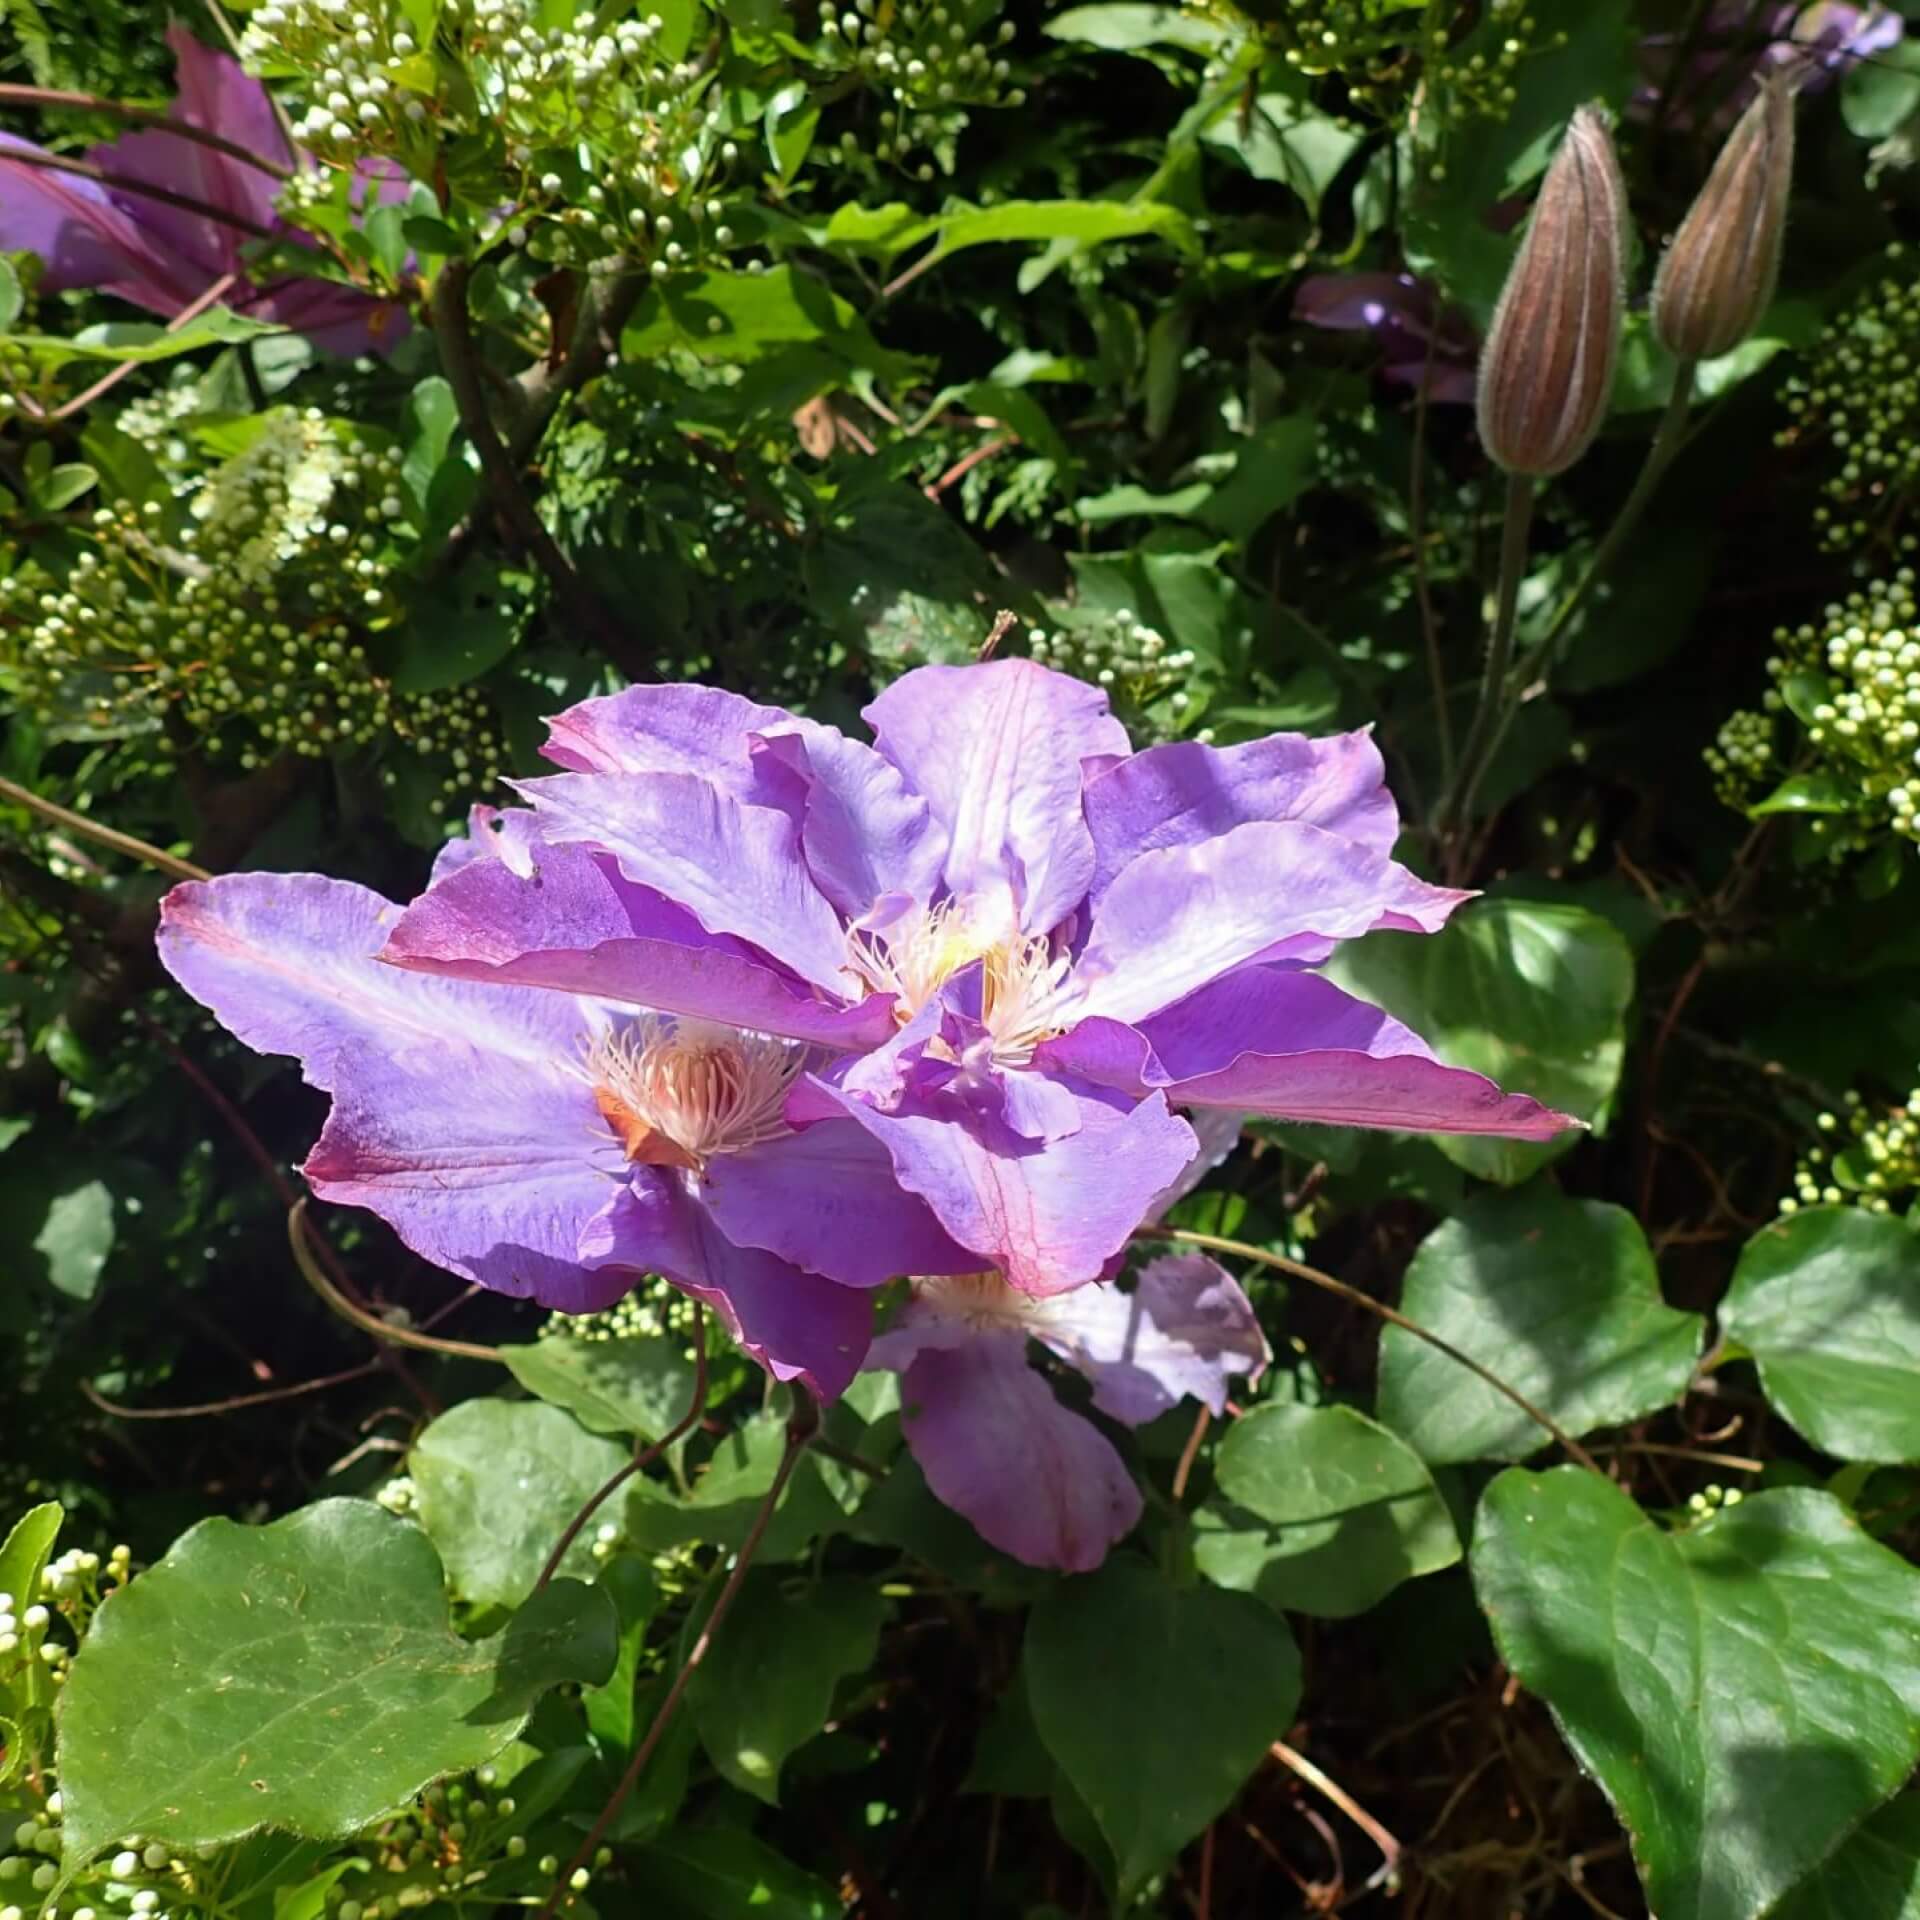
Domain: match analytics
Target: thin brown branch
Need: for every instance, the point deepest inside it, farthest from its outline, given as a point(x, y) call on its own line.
point(102, 835)
point(144, 189)
point(14, 94)
point(234, 1404)
point(966, 464)
point(1390, 1848)
point(111, 379)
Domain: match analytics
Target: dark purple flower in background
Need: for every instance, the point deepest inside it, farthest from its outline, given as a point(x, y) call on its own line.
point(167, 258)
point(1418, 337)
point(1027, 944)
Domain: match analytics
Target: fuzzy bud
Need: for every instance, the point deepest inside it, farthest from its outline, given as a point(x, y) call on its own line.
point(1547, 367)
point(1718, 272)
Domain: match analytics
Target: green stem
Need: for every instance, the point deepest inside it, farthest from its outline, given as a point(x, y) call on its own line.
point(1486, 728)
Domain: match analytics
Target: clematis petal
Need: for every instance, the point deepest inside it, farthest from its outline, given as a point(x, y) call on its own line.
point(1049, 1215)
point(1218, 1131)
point(289, 963)
point(1179, 917)
point(796, 1325)
point(997, 751)
point(572, 922)
point(826, 1199)
point(1271, 1041)
point(1186, 1328)
point(674, 728)
point(502, 833)
point(1184, 793)
point(738, 869)
point(498, 1190)
point(1036, 1480)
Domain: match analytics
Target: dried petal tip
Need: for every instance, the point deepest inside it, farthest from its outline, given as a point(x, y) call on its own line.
point(1718, 271)
point(1547, 367)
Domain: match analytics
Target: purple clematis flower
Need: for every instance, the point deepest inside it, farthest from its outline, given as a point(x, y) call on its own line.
point(1419, 337)
point(1737, 46)
point(1026, 943)
point(166, 258)
point(547, 1145)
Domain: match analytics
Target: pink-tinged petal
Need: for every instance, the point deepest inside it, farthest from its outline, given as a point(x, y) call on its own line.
point(796, 1325)
point(498, 1189)
point(997, 751)
point(1036, 1480)
point(572, 922)
point(213, 92)
point(825, 1199)
point(1179, 917)
point(502, 833)
point(288, 963)
point(866, 834)
point(1049, 1215)
point(737, 869)
point(673, 728)
point(1185, 1329)
point(1184, 793)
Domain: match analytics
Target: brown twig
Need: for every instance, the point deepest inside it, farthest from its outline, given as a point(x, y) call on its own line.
point(1190, 1452)
point(801, 1429)
point(966, 464)
point(1390, 1848)
point(109, 380)
point(102, 835)
point(145, 189)
point(1733, 1462)
point(1354, 1297)
point(235, 1404)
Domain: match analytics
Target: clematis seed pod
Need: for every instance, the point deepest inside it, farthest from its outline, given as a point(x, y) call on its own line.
point(1718, 272)
point(1547, 367)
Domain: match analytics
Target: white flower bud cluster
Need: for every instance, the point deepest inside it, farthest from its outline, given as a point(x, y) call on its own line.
point(250, 631)
point(1711, 1500)
point(1866, 1158)
point(931, 56)
point(360, 64)
point(1132, 661)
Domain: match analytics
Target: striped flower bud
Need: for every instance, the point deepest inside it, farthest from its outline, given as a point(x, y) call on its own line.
point(1547, 366)
point(1717, 274)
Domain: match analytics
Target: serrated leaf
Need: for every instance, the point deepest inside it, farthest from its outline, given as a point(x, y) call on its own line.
point(637, 1386)
point(1321, 1511)
point(1156, 1702)
point(1828, 1303)
point(1558, 1297)
point(1746, 1692)
point(1532, 994)
point(497, 1482)
point(767, 1683)
point(300, 1676)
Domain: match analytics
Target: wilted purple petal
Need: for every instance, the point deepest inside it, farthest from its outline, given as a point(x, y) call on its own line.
point(1176, 918)
point(825, 1199)
point(572, 922)
point(997, 751)
point(1036, 1480)
point(736, 868)
point(1184, 793)
point(795, 1324)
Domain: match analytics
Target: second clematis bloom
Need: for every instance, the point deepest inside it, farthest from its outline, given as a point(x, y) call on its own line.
point(1026, 944)
point(546, 1145)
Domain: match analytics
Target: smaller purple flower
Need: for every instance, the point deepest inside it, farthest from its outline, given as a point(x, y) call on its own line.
point(166, 258)
point(1036, 1479)
point(1419, 337)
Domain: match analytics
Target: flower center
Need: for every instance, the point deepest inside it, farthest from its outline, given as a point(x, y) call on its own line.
point(676, 1093)
point(982, 1301)
point(1023, 989)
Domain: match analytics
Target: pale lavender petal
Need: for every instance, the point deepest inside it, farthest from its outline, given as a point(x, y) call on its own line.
point(738, 869)
point(865, 832)
point(288, 962)
point(1050, 1216)
point(1185, 1329)
point(1180, 917)
point(997, 750)
point(1218, 1130)
point(675, 728)
point(1036, 1480)
point(795, 1324)
point(825, 1199)
point(1183, 793)
point(573, 923)
point(498, 1189)
point(502, 833)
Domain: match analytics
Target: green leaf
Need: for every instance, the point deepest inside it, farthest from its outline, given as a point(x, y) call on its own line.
point(767, 1683)
point(1272, 469)
point(635, 1593)
point(1745, 1692)
point(23, 1559)
point(64, 485)
point(11, 299)
point(1088, 223)
point(460, 626)
point(1530, 994)
point(638, 1386)
point(497, 1482)
point(1877, 96)
point(1124, 27)
point(1828, 1303)
point(142, 340)
point(727, 1496)
point(300, 1676)
point(789, 124)
point(76, 1237)
point(427, 424)
point(1809, 793)
point(745, 316)
point(1156, 1702)
point(1875, 1876)
point(1321, 1511)
point(723, 1873)
point(1558, 1297)
point(1286, 139)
